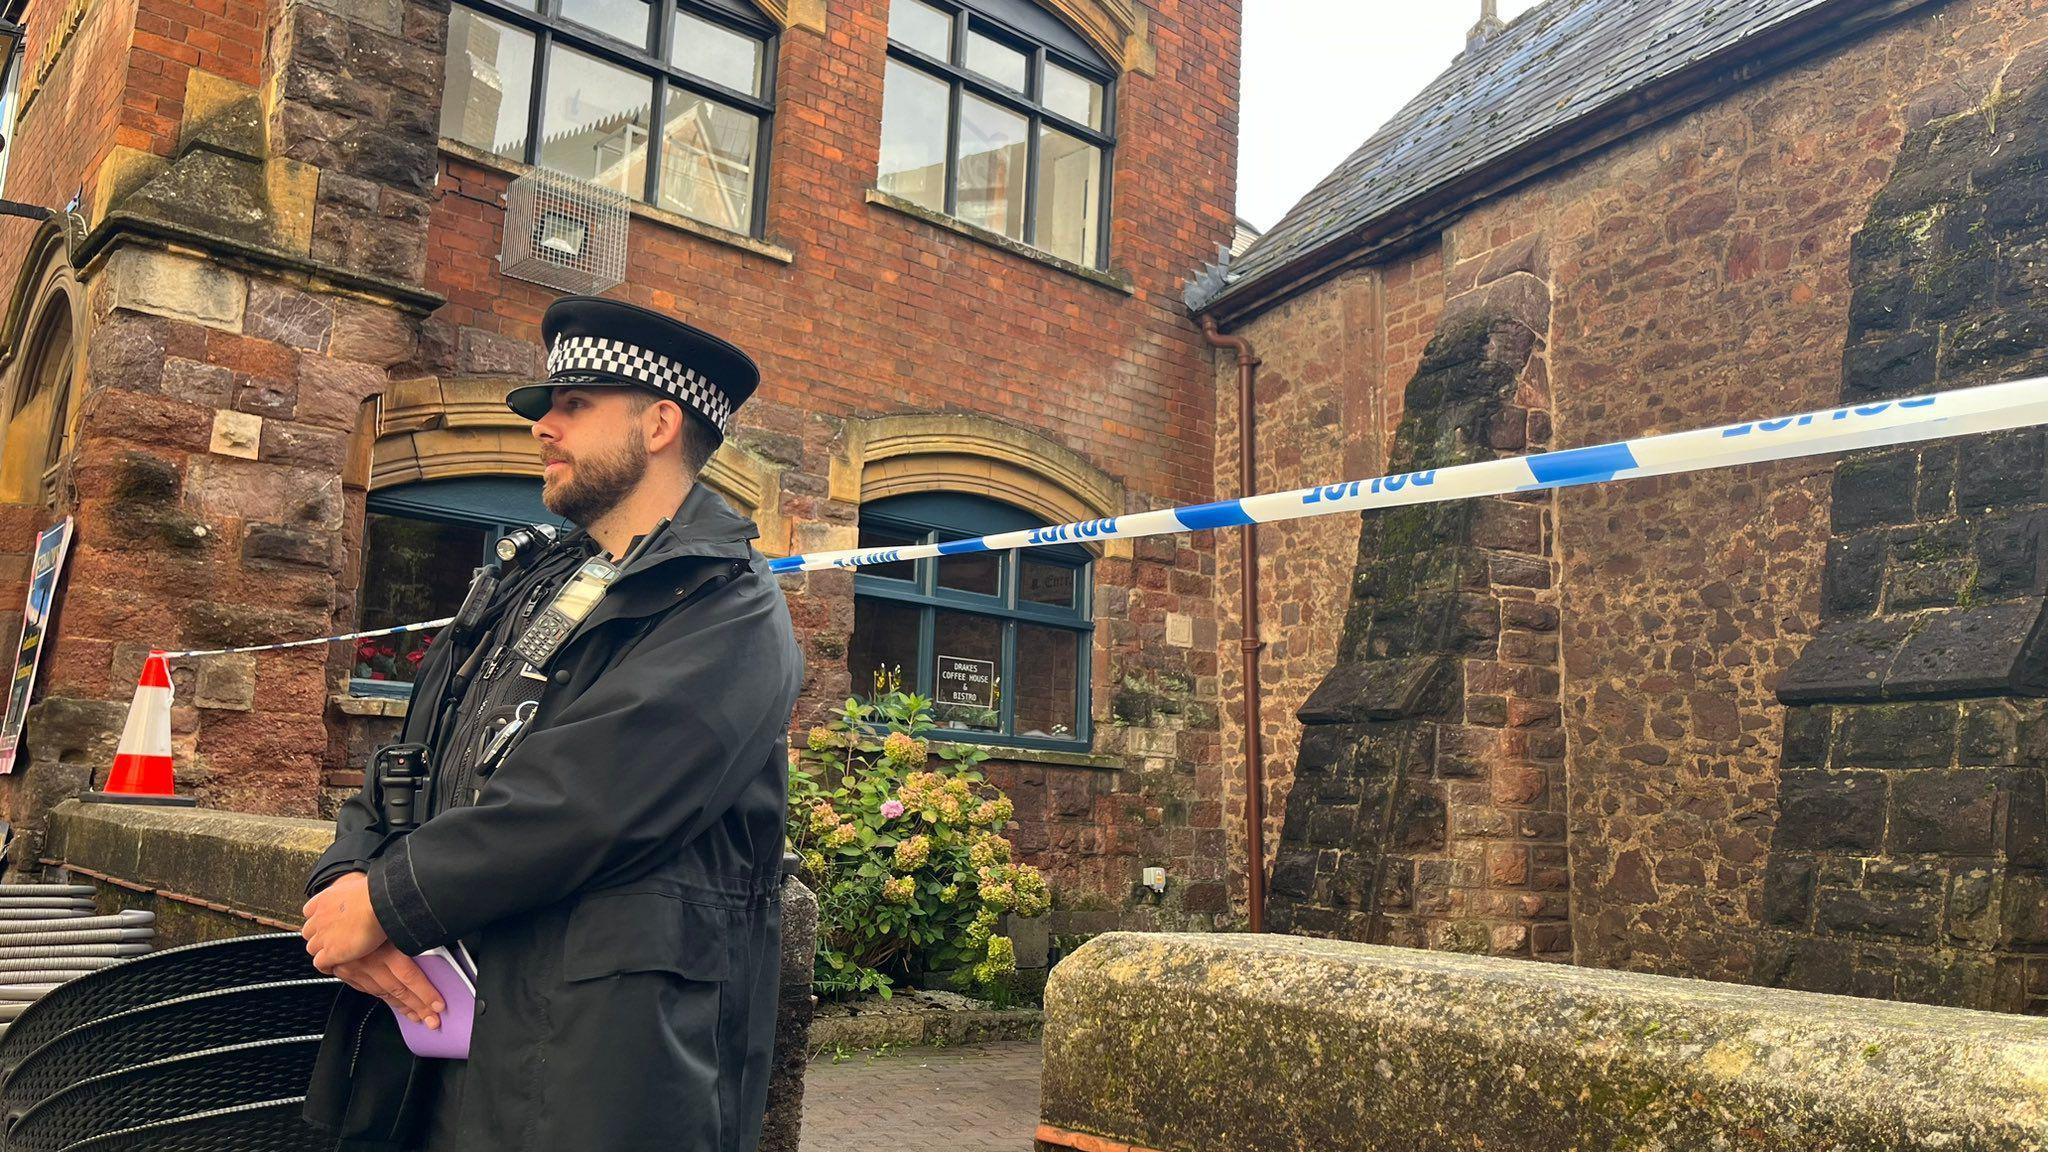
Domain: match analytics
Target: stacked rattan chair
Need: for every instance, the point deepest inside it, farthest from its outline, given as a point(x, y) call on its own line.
point(51, 933)
point(205, 1048)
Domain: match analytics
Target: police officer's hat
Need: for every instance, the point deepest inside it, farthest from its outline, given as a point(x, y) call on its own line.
point(594, 342)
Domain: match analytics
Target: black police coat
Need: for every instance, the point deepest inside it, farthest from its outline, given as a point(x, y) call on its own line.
point(616, 881)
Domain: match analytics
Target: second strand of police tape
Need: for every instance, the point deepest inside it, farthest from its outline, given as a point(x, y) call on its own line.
point(1967, 411)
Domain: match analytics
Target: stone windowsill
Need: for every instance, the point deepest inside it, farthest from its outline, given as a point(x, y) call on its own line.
point(1114, 281)
point(1053, 756)
point(649, 212)
point(390, 708)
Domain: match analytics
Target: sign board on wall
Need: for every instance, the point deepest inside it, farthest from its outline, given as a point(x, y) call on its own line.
point(28, 656)
point(971, 683)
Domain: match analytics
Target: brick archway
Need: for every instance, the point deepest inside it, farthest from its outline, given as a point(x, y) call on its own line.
point(42, 369)
point(978, 455)
point(1116, 27)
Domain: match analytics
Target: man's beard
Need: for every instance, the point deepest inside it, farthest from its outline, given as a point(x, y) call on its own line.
point(597, 482)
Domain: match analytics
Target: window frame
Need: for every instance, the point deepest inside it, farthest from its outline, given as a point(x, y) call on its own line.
point(10, 105)
point(971, 17)
point(923, 592)
point(50, 368)
point(548, 26)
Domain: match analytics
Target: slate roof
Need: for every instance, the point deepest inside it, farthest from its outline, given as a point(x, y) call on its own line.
point(1559, 62)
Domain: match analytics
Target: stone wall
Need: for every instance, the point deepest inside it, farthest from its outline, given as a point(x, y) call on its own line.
point(1910, 857)
point(1426, 805)
point(1700, 272)
point(1264, 1044)
point(1329, 392)
point(228, 351)
point(63, 131)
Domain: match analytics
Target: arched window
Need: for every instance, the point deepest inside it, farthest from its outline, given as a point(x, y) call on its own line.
point(421, 543)
point(39, 416)
point(592, 75)
point(999, 640)
point(997, 113)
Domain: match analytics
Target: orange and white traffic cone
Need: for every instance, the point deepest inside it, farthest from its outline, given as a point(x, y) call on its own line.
point(142, 763)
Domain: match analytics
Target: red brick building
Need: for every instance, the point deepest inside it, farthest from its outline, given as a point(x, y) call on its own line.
point(1776, 723)
point(263, 369)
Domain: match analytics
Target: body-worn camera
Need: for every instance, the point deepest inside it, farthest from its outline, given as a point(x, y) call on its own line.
point(401, 774)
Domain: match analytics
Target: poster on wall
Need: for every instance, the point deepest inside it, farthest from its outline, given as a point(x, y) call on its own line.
point(42, 593)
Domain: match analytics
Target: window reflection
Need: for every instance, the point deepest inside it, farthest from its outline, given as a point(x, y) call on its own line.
point(717, 53)
point(1069, 196)
point(997, 61)
point(998, 641)
point(412, 570)
point(918, 25)
point(707, 161)
point(485, 102)
point(994, 147)
point(884, 641)
point(914, 118)
point(627, 20)
point(596, 121)
point(1048, 680)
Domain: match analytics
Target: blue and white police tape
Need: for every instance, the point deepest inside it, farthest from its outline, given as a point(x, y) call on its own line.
point(422, 626)
point(1992, 408)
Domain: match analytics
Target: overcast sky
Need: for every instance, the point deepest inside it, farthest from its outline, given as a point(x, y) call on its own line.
point(1320, 75)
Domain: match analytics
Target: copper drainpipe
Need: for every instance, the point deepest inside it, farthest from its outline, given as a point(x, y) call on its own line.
point(1248, 585)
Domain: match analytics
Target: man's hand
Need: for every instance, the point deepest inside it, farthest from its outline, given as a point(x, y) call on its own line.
point(391, 976)
point(340, 924)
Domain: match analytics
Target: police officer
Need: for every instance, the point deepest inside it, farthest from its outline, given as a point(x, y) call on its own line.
point(603, 824)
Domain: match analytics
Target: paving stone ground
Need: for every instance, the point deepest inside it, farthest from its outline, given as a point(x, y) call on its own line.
point(977, 1098)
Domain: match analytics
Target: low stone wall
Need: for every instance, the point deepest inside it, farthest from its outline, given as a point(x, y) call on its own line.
point(1253, 1044)
point(915, 1018)
point(209, 875)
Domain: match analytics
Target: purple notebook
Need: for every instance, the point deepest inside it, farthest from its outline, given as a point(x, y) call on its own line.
point(450, 975)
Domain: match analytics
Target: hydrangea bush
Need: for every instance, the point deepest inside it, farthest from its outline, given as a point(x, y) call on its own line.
point(911, 870)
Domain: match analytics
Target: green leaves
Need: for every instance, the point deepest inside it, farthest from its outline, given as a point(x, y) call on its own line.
point(890, 908)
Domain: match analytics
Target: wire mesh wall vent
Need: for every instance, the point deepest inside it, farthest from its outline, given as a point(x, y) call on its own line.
point(565, 233)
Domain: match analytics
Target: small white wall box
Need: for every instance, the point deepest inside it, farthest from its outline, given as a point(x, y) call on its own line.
point(1155, 879)
point(566, 233)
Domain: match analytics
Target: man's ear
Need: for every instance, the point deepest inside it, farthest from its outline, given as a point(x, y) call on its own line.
point(662, 425)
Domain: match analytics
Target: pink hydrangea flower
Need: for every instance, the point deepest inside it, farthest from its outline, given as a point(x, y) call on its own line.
point(891, 809)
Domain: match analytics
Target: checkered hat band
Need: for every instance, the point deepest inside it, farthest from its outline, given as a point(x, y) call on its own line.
point(618, 358)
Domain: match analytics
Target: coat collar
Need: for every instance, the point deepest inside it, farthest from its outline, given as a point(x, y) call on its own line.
point(704, 528)
point(705, 525)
